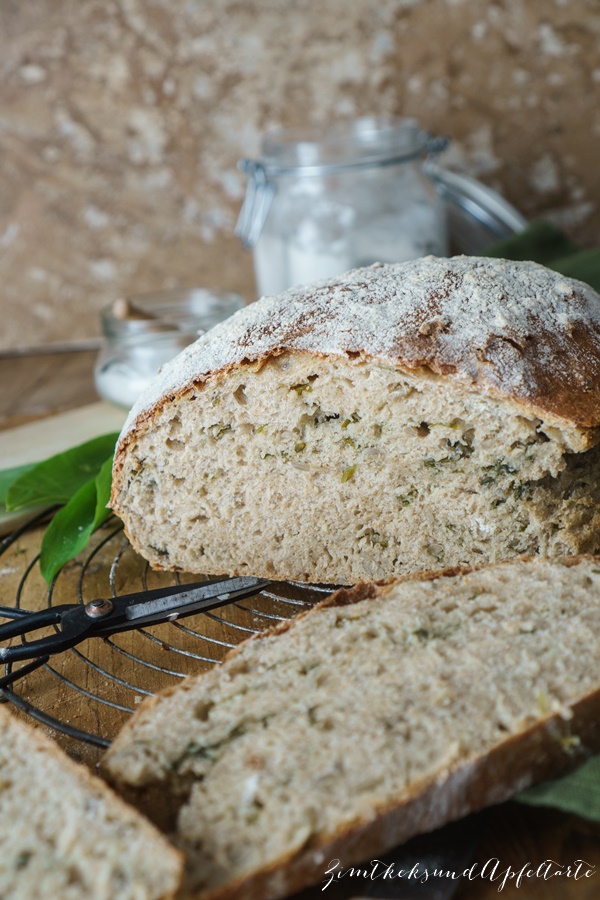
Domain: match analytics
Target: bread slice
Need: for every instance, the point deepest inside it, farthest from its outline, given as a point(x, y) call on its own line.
point(386, 711)
point(65, 835)
point(394, 419)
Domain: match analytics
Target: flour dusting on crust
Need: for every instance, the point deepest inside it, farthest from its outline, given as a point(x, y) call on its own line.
point(515, 329)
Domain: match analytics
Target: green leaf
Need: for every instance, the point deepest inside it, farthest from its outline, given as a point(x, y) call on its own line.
point(541, 242)
point(71, 528)
point(8, 476)
point(59, 478)
point(578, 792)
point(103, 489)
point(546, 244)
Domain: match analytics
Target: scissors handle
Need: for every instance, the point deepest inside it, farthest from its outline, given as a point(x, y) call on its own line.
point(30, 622)
point(13, 676)
point(56, 615)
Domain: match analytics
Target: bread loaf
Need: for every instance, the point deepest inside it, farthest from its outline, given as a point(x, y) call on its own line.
point(384, 712)
point(399, 417)
point(64, 835)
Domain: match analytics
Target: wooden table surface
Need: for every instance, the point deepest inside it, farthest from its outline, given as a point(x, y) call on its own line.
point(36, 386)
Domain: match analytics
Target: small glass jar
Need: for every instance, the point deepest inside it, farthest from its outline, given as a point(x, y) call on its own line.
point(142, 333)
point(321, 202)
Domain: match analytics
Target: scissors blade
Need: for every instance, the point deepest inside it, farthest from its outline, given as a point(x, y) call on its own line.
point(198, 599)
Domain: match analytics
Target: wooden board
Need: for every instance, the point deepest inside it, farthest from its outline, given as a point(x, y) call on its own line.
point(45, 437)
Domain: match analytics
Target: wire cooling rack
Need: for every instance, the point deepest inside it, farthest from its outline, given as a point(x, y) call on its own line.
point(87, 693)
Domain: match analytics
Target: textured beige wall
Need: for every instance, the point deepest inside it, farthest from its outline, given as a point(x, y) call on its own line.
point(121, 122)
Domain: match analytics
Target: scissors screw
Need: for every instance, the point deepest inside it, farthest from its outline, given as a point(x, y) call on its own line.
point(97, 609)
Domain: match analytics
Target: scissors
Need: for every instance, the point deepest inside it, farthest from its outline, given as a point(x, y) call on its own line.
point(104, 617)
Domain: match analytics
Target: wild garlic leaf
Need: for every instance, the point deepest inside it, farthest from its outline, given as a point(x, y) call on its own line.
point(71, 528)
point(9, 476)
point(578, 792)
point(103, 490)
point(56, 480)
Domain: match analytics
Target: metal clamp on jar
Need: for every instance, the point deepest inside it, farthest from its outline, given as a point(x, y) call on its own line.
point(321, 202)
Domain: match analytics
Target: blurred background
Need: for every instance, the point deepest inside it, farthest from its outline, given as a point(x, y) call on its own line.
point(121, 122)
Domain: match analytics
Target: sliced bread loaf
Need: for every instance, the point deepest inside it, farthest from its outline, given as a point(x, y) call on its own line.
point(64, 835)
point(386, 711)
point(440, 411)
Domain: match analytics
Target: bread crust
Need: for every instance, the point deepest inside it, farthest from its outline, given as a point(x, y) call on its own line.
point(514, 330)
point(483, 780)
